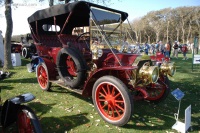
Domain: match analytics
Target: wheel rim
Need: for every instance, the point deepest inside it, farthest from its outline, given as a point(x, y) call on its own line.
point(24, 123)
point(71, 66)
point(110, 101)
point(42, 76)
point(24, 53)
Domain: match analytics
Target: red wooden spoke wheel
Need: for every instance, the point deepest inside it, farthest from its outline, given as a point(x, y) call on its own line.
point(43, 76)
point(71, 66)
point(112, 100)
point(24, 123)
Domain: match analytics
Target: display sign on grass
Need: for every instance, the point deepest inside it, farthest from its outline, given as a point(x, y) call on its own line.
point(196, 59)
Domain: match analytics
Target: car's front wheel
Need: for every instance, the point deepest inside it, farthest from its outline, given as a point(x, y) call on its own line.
point(112, 100)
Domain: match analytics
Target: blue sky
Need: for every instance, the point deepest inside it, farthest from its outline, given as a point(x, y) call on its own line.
point(135, 9)
point(138, 8)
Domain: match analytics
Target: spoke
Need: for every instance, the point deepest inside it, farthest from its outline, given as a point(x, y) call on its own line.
point(119, 94)
point(104, 90)
point(113, 112)
point(113, 91)
point(119, 101)
point(104, 106)
point(108, 88)
point(102, 94)
point(116, 110)
point(42, 70)
point(120, 107)
point(102, 100)
point(109, 109)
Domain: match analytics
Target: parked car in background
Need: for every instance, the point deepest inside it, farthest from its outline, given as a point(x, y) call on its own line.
point(28, 48)
point(16, 47)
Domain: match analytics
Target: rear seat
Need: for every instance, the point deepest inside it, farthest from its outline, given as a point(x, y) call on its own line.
point(72, 39)
point(63, 39)
point(50, 41)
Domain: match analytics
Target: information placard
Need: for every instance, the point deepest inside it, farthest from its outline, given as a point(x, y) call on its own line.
point(196, 59)
point(178, 94)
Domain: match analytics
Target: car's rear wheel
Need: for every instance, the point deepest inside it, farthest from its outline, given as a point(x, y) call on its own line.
point(43, 76)
point(112, 100)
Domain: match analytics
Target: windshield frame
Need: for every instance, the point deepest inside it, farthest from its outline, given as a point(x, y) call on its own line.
point(100, 28)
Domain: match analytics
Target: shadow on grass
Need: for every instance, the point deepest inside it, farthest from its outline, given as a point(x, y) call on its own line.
point(23, 80)
point(58, 89)
point(149, 116)
point(63, 124)
point(41, 108)
point(6, 87)
point(54, 124)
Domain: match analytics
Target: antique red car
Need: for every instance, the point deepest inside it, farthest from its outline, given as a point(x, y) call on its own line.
point(77, 49)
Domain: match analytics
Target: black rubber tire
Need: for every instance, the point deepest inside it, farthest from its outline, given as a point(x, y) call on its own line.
point(121, 88)
point(29, 113)
point(25, 52)
point(81, 57)
point(69, 80)
point(44, 82)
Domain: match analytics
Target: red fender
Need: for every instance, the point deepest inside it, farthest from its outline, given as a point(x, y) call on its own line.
point(87, 90)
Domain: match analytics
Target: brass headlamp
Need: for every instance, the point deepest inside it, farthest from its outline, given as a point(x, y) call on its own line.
point(168, 68)
point(149, 74)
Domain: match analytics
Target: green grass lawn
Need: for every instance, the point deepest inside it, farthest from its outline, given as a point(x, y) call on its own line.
point(62, 111)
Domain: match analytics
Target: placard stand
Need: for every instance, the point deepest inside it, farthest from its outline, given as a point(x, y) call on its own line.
point(180, 126)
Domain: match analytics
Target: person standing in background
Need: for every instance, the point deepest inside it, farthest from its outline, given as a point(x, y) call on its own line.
point(175, 53)
point(157, 46)
point(1, 49)
point(184, 49)
point(146, 48)
point(162, 47)
point(170, 48)
point(167, 49)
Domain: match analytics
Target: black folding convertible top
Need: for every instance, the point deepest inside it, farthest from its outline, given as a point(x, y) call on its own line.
point(80, 7)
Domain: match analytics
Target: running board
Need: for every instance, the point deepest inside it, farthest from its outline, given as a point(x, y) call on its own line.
point(62, 84)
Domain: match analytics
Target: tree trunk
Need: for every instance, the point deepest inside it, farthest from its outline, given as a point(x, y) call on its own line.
point(167, 31)
point(177, 34)
point(189, 31)
point(149, 37)
point(7, 42)
point(136, 35)
point(157, 36)
point(183, 36)
point(140, 37)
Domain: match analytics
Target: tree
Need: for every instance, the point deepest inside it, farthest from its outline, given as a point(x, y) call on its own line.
point(8, 34)
point(137, 28)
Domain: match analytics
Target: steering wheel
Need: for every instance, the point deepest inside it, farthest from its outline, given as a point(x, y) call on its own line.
point(82, 35)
